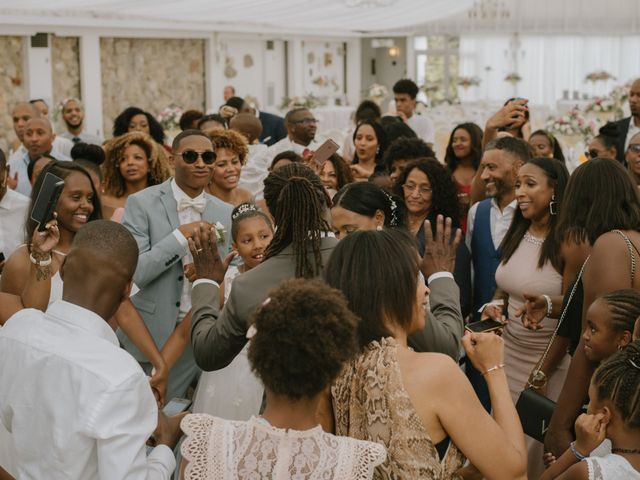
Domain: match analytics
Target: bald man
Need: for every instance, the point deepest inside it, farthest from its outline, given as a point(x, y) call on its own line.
point(84, 408)
point(37, 137)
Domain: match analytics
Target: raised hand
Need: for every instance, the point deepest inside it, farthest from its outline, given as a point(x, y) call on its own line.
point(440, 252)
point(591, 430)
point(512, 115)
point(43, 242)
point(206, 258)
point(533, 311)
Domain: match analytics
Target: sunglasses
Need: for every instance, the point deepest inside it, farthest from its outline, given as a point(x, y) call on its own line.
point(191, 156)
point(634, 147)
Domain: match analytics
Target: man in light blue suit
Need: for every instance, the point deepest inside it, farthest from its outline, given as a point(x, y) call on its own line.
point(161, 219)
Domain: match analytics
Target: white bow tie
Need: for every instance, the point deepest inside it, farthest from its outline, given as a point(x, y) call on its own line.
point(197, 204)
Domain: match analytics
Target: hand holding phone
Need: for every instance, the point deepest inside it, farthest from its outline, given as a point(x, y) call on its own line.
point(484, 326)
point(46, 200)
point(325, 151)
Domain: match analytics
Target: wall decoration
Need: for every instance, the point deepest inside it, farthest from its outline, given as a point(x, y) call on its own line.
point(229, 71)
point(248, 61)
point(328, 59)
point(311, 57)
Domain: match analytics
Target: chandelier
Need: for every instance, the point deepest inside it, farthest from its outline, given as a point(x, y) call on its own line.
point(369, 3)
point(489, 10)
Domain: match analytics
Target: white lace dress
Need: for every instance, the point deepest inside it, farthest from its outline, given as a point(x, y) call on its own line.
point(611, 467)
point(233, 392)
point(221, 449)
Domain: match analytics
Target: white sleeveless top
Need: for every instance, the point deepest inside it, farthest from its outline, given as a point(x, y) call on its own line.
point(219, 449)
point(611, 467)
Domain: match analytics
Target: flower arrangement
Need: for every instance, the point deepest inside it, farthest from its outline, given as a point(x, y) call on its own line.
point(513, 78)
point(308, 101)
point(599, 76)
point(169, 118)
point(377, 93)
point(466, 82)
point(430, 87)
point(572, 123)
point(321, 81)
point(602, 105)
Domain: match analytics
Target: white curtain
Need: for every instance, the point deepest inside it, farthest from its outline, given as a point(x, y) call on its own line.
point(549, 65)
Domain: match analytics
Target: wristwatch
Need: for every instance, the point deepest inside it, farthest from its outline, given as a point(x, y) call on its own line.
point(538, 379)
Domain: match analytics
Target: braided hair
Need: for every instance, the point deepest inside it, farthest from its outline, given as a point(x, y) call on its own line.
point(297, 200)
point(618, 380)
point(624, 306)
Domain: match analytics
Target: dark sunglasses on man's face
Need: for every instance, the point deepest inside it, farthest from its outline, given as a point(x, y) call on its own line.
point(191, 156)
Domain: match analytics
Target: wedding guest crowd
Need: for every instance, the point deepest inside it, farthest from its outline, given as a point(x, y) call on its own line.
point(364, 311)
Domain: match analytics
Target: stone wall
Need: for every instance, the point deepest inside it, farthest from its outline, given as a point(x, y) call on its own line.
point(12, 85)
point(151, 74)
point(65, 73)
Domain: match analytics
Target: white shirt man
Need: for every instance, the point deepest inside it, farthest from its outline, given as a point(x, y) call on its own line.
point(405, 92)
point(73, 116)
point(19, 161)
point(78, 406)
point(13, 212)
point(500, 220)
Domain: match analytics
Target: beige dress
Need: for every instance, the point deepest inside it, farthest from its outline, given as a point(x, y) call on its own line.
point(370, 403)
point(523, 347)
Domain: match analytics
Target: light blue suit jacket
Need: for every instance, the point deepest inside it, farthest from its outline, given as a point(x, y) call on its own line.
point(151, 216)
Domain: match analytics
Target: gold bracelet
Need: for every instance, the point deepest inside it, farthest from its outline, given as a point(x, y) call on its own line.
point(493, 369)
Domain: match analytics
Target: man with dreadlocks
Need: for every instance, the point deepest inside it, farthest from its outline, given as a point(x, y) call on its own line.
point(300, 248)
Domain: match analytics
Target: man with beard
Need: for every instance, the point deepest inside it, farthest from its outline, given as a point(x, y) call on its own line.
point(73, 116)
point(487, 225)
point(301, 128)
point(630, 126)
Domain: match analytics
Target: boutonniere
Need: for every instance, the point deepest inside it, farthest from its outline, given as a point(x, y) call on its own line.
point(220, 232)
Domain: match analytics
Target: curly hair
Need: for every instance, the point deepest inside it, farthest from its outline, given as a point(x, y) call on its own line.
point(475, 133)
point(406, 149)
point(618, 380)
point(159, 169)
point(445, 195)
point(230, 140)
point(343, 172)
point(121, 124)
point(300, 309)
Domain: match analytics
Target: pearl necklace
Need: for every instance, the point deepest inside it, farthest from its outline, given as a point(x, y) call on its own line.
point(531, 239)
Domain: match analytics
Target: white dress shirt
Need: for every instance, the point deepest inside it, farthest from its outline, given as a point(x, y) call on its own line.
point(633, 131)
point(255, 170)
point(84, 137)
point(187, 215)
point(499, 221)
point(78, 406)
point(13, 213)
point(19, 161)
point(423, 126)
point(288, 144)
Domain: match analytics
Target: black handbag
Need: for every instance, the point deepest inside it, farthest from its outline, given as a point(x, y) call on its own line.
point(534, 409)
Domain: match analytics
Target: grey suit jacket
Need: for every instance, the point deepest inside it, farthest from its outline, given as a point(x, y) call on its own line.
point(151, 216)
point(217, 336)
point(444, 327)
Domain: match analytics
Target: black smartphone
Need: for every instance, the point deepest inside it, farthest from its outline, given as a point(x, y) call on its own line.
point(324, 151)
point(45, 204)
point(484, 326)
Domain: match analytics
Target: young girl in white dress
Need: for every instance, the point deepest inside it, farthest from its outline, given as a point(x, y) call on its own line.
point(234, 392)
point(303, 335)
point(613, 413)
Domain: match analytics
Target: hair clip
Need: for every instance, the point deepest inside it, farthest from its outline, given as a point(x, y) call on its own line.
point(251, 332)
point(266, 301)
point(244, 208)
point(394, 209)
point(634, 364)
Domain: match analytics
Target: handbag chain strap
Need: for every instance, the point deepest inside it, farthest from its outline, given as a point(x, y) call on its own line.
point(630, 248)
point(562, 315)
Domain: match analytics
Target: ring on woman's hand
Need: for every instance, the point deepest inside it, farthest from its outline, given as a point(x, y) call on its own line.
point(198, 250)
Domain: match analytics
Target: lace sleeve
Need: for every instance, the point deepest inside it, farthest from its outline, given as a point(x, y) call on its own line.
point(195, 448)
point(369, 456)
